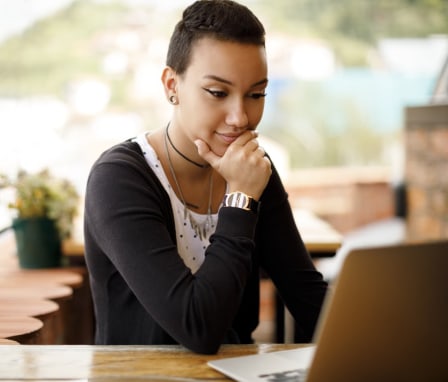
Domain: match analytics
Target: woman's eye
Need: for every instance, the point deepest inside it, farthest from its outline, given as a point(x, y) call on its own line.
point(257, 95)
point(216, 93)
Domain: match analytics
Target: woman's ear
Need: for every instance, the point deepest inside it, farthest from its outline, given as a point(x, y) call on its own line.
point(169, 81)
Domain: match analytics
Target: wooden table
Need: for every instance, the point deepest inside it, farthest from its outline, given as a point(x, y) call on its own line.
point(122, 363)
point(320, 238)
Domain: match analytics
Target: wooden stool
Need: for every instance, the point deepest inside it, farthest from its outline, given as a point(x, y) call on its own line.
point(60, 294)
point(83, 309)
point(80, 317)
point(56, 293)
point(4, 341)
point(44, 310)
point(78, 314)
point(25, 330)
point(54, 276)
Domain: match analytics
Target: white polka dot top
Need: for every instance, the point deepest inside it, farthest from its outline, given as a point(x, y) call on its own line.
point(190, 245)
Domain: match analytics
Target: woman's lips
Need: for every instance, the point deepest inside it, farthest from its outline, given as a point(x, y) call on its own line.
point(228, 138)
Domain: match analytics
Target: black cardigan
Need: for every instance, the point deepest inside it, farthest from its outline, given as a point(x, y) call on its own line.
point(142, 291)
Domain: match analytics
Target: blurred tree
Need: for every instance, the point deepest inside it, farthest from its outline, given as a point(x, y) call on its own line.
point(69, 45)
point(322, 129)
point(357, 23)
point(55, 50)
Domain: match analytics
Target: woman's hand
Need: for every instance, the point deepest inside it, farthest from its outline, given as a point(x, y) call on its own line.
point(244, 165)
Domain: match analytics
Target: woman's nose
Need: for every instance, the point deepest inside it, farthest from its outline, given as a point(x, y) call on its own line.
point(237, 115)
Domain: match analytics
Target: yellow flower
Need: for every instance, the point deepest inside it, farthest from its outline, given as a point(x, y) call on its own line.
point(42, 195)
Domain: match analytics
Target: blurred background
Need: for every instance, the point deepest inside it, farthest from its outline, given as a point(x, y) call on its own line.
point(77, 76)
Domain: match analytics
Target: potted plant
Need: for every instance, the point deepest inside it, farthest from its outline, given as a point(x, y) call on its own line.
point(45, 207)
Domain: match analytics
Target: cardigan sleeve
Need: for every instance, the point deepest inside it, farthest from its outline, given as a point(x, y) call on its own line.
point(128, 222)
point(286, 260)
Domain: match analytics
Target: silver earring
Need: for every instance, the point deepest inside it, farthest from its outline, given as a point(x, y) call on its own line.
point(173, 100)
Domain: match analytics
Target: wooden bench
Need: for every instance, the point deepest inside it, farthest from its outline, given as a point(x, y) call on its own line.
point(77, 315)
point(25, 330)
point(44, 310)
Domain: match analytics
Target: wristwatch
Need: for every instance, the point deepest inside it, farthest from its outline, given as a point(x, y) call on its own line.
point(239, 199)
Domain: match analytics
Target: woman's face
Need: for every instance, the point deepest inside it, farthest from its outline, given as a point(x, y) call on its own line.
point(221, 94)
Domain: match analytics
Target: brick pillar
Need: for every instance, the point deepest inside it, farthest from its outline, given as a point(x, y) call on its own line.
point(426, 141)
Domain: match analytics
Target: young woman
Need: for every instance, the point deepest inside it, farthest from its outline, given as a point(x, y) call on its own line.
point(179, 222)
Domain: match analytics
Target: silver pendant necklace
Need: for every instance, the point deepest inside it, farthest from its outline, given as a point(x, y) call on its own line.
point(201, 230)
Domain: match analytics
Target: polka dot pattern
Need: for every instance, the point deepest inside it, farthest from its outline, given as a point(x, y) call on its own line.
point(190, 244)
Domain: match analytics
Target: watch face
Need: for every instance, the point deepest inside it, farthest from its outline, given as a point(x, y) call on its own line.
point(238, 199)
point(241, 200)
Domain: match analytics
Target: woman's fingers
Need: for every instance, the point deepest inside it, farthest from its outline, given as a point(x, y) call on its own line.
point(205, 152)
point(244, 165)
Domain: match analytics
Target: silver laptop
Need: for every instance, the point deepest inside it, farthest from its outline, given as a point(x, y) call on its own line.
point(385, 319)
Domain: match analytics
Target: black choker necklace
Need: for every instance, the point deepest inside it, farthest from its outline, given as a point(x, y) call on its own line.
point(182, 155)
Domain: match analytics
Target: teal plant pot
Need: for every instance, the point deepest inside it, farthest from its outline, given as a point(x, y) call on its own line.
point(38, 243)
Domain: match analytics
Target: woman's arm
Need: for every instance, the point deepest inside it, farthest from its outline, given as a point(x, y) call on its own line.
point(284, 257)
point(129, 218)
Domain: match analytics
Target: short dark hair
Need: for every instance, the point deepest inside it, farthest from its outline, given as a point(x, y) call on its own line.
point(224, 20)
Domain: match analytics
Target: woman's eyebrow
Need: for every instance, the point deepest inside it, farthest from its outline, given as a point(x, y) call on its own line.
point(219, 79)
point(224, 81)
point(262, 82)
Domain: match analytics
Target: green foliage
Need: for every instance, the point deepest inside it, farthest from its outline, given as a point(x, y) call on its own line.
point(359, 23)
point(43, 195)
point(58, 49)
point(69, 45)
point(320, 129)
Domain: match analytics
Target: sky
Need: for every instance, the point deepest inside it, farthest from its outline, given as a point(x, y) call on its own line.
point(17, 15)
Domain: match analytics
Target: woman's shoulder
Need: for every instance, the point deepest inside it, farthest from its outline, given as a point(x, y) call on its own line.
point(125, 158)
point(124, 161)
point(126, 150)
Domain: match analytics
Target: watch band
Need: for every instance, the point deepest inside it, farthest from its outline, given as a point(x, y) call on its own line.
point(241, 200)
